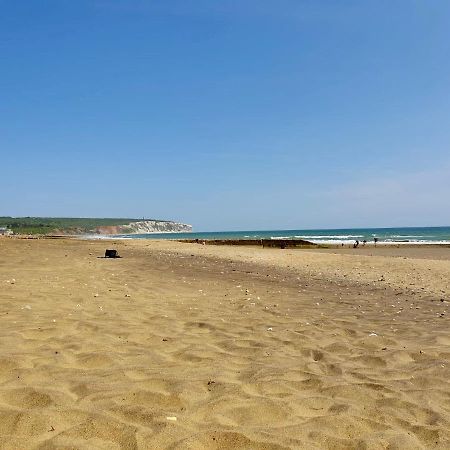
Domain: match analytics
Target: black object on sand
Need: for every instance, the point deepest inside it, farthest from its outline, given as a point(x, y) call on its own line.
point(112, 254)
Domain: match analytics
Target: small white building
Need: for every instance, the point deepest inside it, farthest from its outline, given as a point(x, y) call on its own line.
point(5, 231)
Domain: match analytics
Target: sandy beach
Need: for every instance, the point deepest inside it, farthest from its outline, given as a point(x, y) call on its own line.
point(187, 346)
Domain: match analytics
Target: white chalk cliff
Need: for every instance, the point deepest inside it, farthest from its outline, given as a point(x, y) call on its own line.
point(145, 226)
point(157, 226)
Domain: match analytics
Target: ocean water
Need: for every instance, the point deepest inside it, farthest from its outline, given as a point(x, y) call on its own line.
point(408, 235)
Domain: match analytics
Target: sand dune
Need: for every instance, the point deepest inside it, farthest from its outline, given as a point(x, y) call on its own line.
point(184, 346)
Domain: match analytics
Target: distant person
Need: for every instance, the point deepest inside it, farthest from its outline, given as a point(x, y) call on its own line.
point(356, 244)
point(375, 240)
point(364, 243)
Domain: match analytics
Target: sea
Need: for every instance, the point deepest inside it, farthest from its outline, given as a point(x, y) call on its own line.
point(403, 235)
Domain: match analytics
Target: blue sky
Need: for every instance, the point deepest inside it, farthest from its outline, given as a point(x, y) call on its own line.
point(227, 114)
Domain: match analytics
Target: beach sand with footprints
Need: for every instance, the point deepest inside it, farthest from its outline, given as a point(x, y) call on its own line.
point(188, 346)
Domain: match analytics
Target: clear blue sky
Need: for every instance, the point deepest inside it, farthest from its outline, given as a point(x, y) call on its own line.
point(244, 114)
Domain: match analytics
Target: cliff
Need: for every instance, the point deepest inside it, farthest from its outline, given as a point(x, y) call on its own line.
point(86, 225)
point(145, 226)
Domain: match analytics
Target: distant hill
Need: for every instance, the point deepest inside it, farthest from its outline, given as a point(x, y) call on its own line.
point(70, 226)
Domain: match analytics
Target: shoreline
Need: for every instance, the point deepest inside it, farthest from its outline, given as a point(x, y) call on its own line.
point(275, 241)
point(243, 240)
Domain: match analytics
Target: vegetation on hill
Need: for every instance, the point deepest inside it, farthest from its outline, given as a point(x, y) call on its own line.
point(50, 225)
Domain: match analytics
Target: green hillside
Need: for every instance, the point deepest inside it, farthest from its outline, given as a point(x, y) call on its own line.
point(49, 225)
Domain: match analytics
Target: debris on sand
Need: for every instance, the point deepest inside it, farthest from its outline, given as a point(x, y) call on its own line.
point(112, 254)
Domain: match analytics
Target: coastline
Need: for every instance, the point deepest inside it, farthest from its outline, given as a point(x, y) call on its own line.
point(330, 237)
point(196, 346)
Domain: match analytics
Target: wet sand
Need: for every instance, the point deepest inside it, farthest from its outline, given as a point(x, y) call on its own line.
point(185, 346)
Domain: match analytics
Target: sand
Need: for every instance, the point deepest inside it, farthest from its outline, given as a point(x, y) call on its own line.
point(185, 346)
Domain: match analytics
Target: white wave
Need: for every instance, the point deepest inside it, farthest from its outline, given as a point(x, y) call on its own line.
point(332, 241)
point(105, 237)
point(280, 237)
point(408, 236)
point(381, 243)
point(330, 236)
point(415, 242)
point(321, 239)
